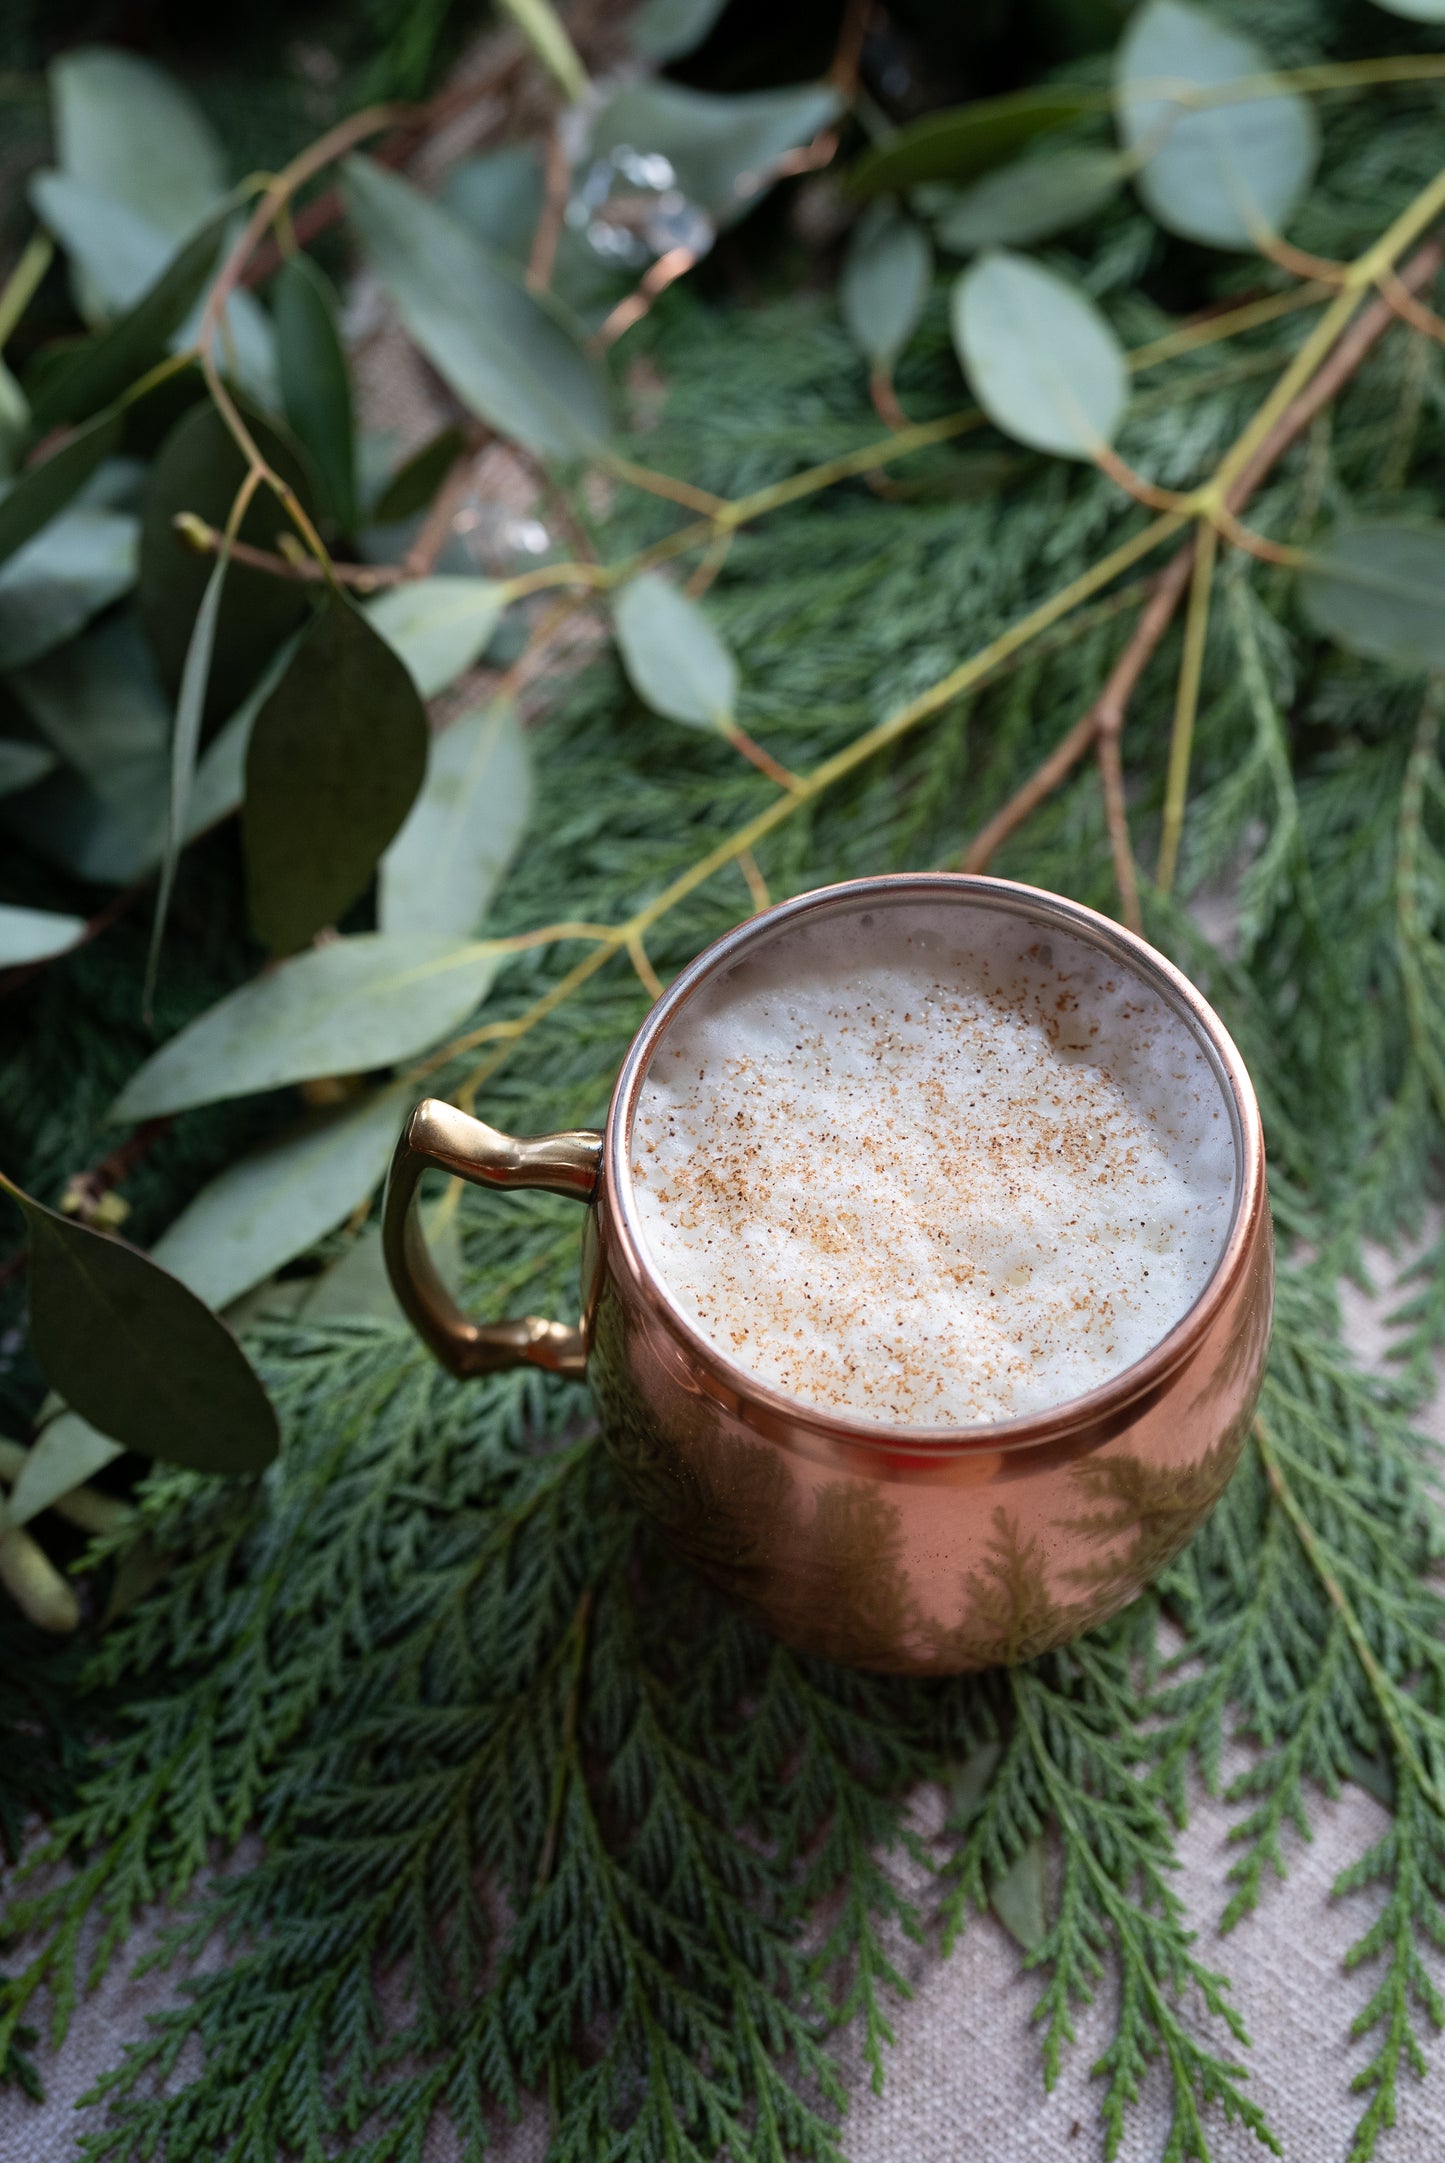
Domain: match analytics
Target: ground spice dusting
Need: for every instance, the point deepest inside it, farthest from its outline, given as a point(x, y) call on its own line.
point(925, 1168)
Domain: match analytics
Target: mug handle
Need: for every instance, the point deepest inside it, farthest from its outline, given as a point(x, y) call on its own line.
point(438, 1135)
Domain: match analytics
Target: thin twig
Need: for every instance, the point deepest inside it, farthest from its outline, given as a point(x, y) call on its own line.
point(208, 540)
point(1186, 704)
point(757, 756)
point(436, 527)
point(885, 399)
point(1107, 712)
point(558, 181)
point(753, 878)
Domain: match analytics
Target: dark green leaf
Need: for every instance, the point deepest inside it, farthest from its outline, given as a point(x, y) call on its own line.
point(723, 150)
point(505, 354)
point(315, 383)
point(72, 569)
point(1377, 587)
point(33, 499)
point(413, 485)
point(674, 658)
point(199, 469)
point(35, 934)
point(972, 1783)
point(1225, 174)
point(340, 1009)
point(336, 757)
point(886, 276)
point(462, 833)
point(1018, 1897)
point(1041, 360)
point(1032, 199)
point(138, 1355)
point(965, 140)
point(23, 764)
point(274, 1204)
point(106, 366)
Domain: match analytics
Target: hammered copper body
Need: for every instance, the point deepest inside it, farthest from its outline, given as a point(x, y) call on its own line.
point(919, 1550)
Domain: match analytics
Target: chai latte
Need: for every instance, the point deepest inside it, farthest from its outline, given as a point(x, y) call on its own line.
point(931, 1165)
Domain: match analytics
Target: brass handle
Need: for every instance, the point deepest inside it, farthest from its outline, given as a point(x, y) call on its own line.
point(438, 1135)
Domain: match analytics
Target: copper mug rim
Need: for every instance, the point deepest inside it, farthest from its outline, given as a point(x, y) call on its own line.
point(761, 1404)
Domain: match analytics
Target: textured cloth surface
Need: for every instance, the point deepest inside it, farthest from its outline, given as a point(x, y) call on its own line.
point(964, 2083)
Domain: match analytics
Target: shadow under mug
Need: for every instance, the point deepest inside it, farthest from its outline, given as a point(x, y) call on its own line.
point(912, 1549)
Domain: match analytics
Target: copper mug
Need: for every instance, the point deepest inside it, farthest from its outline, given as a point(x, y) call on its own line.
point(916, 1550)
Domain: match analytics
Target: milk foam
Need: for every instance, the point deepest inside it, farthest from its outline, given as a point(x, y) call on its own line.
point(931, 1166)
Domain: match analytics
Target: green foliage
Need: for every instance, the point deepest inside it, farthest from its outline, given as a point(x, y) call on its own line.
point(541, 1817)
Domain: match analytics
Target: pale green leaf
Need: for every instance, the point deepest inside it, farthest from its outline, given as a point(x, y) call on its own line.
point(14, 422)
point(185, 744)
point(1040, 359)
point(499, 197)
point(539, 23)
point(272, 1205)
point(439, 626)
point(666, 29)
point(463, 830)
point(724, 150)
point(1377, 587)
point(35, 496)
point(358, 1286)
point(1224, 174)
point(1031, 199)
point(1415, 11)
point(73, 568)
point(35, 934)
point(129, 130)
point(340, 1009)
point(65, 1454)
point(504, 353)
point(99, 701)
point(675, 660)
point(1018, 1897)
point(886, 275)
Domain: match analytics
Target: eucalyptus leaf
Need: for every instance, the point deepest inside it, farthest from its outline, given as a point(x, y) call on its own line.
point(438, 626)
point(106, 366)
point(358, 1286)
point(965, 140)
point(139, 1356)
point(886, 276)
point(23, 764)
point(336, 757)
point(666, 29)
point(185, 747)
point(272, 1205)
point(675, 660)
point(463, 830)
point(499, 197)
point(73, 568)
point(65, 1454)
point(315, 382)
point(507, 356)
point(412, 487)
point(1415, 11)
point(35, 934)
point(199, 469)
point(37, 494)
point(723, 150)
point(1018, 1897)
point(1377, 587)
point(1040, 359)
point(1032, 199)
point(126, 128)
point(1226, 173)
point(343, 1008)
point(99, 701)
point(14, 422)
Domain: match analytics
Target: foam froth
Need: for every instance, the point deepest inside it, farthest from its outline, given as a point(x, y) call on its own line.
point(929, 1166)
